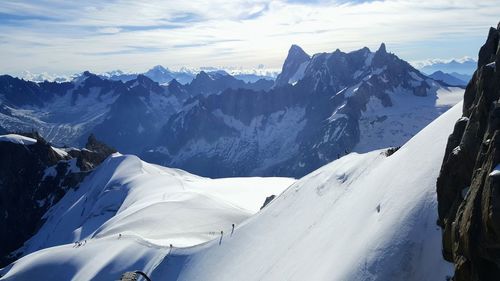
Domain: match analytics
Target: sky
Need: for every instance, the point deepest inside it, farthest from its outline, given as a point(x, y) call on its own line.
point(67, 37)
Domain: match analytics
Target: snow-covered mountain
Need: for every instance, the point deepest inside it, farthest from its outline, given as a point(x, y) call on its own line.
point(318, 109)
point(120, 113)
point(66, 113)
point(352, 219)
point(185, 76)
point(143, 208)
point(157, 73)
point(208, 83)
point(336, 102)
point(464, 66)
point(44, 76)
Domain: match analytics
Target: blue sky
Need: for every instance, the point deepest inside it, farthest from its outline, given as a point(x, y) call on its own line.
point(70, 36)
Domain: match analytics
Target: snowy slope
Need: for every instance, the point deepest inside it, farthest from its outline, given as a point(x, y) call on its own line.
point(148, 207)
point(363, 217)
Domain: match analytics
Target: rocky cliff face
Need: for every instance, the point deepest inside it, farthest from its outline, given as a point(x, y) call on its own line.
point(468, 187)
point(294, 66)
point(33, 177)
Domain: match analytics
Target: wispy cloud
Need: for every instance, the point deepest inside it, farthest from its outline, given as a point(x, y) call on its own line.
point(427, 62)
point(68, 36)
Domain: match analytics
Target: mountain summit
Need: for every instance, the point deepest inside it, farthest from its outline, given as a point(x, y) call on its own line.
point(340, 102)
point(294, 66)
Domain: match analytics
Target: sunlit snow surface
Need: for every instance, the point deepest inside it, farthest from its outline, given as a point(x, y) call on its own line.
point(362, 217)
point(130, 207)
point(17, 139)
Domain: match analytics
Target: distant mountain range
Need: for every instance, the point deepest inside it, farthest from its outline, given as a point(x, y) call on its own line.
point(162, 75)
point(464, 66)
point(319, 108)
point(157, 73)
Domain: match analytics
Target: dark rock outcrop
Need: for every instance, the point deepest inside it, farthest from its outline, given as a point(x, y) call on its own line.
point(267, 201)
point(468, 187)
point(94, 153)
point(34, 177)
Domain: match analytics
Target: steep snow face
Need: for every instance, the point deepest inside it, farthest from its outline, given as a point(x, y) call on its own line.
point(130, 204)
point(362, 217)
point(299, 74)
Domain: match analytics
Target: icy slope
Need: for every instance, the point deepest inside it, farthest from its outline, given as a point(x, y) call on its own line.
point(166, 206)
point(363, 217)
point(128, 212)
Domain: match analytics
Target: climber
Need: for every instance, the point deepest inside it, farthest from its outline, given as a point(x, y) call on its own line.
point(232, 230)
point(221, 234)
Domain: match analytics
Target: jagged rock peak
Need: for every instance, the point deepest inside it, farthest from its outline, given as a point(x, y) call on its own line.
point(174, 83)
point(490, 48)
point(382, 48)
point(296, 57)
point(143, 79)
point(88, 74)
point(94, 145)
point(365, 50)
point(202, 75)
point(296, 50)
